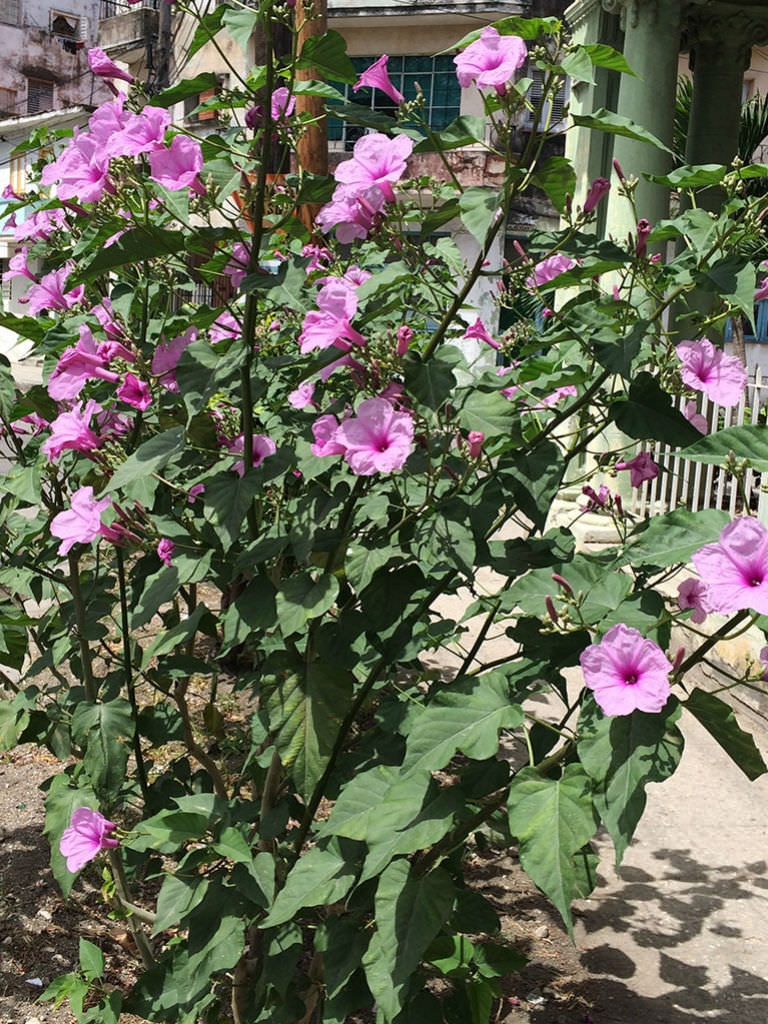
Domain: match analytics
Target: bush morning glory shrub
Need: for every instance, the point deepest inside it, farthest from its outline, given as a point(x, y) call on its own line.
point(259, 462)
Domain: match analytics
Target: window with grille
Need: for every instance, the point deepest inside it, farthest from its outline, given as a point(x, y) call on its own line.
point(9, 12)
point(39, 95)
point(436, 77)
point(65, 26)
point(8, 102)
point(552, 116)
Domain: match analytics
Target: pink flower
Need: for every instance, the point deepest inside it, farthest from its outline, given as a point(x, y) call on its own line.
point(353, 211)
point(71, 430)
point(705, 368)
point(568, 391)
point(324, 431)
point(87, 834)
point(404, 338)
point(33, 424)
point(263, 447)
point(597, 190)
point(282, 105)
point(491, 61)
point(17, 267)
point(376, 160)
point(140, 133)
point(764, 661)
point(40, 226)
point(377, 77)
point(475, 440)
point(76, 366)
point(165, 551)
point(102, 66)
point(695, 418)
point(736, 567)
point(330, 324)
point(692, 593)
point(135, 392)
point(641, 468)
point(237, 267)
point(50, 294)
point(478, 331)
point(302, 396)
point(318, 254)
point(547, 270)
point(377, 439)
point(224, 326)
point(626, 672)
point(355, 276)
point(762, 291)
point(178, 167)
point(167, 355)
point(596, 500)
point(82, 523)
point(643, 231)
point(81, 170)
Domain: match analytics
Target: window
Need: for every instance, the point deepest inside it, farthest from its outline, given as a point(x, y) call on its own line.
point(18, 172)
point(436, 77)
point(191, 103)
point(8, 102)
point(65, 26)
point(9, 12)
point(39, 95)
point(552, 114)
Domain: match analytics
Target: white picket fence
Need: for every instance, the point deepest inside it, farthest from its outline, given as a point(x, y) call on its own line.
point(694, 485)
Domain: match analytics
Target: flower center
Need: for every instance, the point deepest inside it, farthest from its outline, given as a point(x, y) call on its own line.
point(383, 445)
point(756, 581)
point(630, 679)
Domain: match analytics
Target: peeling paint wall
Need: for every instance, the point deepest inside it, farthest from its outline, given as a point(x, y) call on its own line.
point(32, 49)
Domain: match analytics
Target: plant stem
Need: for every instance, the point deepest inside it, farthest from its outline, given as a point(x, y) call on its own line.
point(138, 933)
point(141, 770)
point(708, 644)
point(89, 683)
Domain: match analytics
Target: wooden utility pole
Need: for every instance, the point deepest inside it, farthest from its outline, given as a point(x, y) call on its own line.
point(313, 146)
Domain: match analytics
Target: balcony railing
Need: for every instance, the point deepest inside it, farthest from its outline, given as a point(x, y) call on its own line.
point(111, 8)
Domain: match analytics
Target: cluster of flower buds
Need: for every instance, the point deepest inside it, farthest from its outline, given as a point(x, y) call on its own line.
point(601, 500)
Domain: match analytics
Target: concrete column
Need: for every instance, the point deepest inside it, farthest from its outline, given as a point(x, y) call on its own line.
point(652, 31)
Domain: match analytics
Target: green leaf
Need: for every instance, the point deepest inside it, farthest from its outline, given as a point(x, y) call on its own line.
point(255, 610)
point(343, 944)
point(438, 216)
point(14, 718)
point(328, 55)
point(606, 121)
point(674, 536)
point(603, 56)
point(718, 719)
point(208, 26)
point(618, 352)
point(105, 732)
point(552, 819)
point(578, 66)
point(746, 442)
point(178, 897)
point(135, 245)
point(649, 413)
point(384, 279)
point(362, 562)
point(690, 176)
point(169, 639)
point(227, 500)
point(312, 87)
point(491, 413)
point(150, 457)
point(733, 278)
point(304, 597)
point(526, 28)
point(557, 178)
point(377, 802)
point(188, 87)
point(622, 755)
point(430, 383)
point(466, 717)
point(478, 207)
point(534, 479)
point(305, 713)
point(409, 912)
point(91, 960)
point(321, 876)
point(61, 801)
point(355, 113)
point(467, 130)
point(241, 23)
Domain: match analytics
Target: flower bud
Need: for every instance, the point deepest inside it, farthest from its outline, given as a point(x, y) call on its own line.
point(475, 440)
point(617, 168)
point(404, 336)
point(598, 190)
point(562, 583)
point(254, 117)
point(550, 608)
point(643, 230)
point(678, 659)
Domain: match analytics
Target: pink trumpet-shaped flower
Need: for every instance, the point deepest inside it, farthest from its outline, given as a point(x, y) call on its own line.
point(87, 834)
point(478, 331)
point(377, 439)
point(626, 672)
point(17, 267)
point(330, 324)
point(263, 447)
point(165, 551)
point(71, 430)
point(376, 160)
point(353, 211)
point(302, 396)
point(692, 593)
point(736, 567)
point(547, 270)
point(135, 392)
point(77, 365)
point(643, 231)
point(40, 226)
point(178, 167)
point(377, 77)
point(101, 65)
point(705, 368)
point(141, 133)
point(167, 355)
point(324, 432)
point(599, 188)
point(695, 418)
point(81, 523)
point(491, 61)
point(50, 294)
point(641, 468)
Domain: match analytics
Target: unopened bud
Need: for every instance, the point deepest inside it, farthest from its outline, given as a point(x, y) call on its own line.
point(404, 336)
point(562, 583)
point(678, 659)
point(550, 608)
point(617, 168)
point(519, 250)
point(475, 440)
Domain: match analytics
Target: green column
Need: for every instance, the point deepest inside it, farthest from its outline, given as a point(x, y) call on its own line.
point(652, 31)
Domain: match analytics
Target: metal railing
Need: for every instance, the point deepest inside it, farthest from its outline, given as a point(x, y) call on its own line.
point(111, 8)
